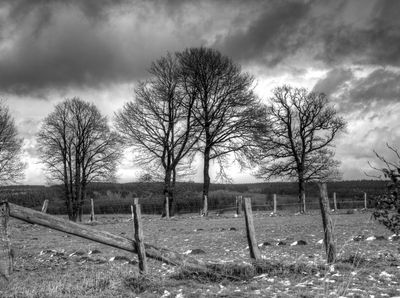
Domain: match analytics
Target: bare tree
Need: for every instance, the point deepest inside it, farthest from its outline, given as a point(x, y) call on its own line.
point(296, 137)
point(159, 124)
point(78, 147)
point(11, 166)
point(224, 105)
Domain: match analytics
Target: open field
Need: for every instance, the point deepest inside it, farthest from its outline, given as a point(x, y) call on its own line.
point(52, 264)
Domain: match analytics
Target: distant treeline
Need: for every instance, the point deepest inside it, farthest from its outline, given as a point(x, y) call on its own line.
point(117, 197)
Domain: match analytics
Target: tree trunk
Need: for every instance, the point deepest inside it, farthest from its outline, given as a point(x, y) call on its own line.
point(68, 201)
point(172, 194)
point(71, 189)
point(78, 185)
point(302, 192)
point(166, 192)
point(206, 184)
point(82, 202)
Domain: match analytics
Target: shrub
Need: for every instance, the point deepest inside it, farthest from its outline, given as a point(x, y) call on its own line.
point(387, 210)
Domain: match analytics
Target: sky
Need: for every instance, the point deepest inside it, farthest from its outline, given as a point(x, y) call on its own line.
point(99, 50)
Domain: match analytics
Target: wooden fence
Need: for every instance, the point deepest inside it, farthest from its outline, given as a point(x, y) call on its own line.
point(137, 245)
point(40, 218)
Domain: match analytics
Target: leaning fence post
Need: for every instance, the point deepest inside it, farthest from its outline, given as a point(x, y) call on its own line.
point(92, 218)
point(137, 222)
point(327, 224)
point(365, 200)
point(250, 231)
point(45, 205)
point(6, 261)
point(334, 201)
point(274, 203)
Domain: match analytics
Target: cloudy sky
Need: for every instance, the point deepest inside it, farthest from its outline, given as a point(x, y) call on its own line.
point(98, 50)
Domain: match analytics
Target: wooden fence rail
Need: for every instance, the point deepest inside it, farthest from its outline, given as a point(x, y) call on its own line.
point(87, 232)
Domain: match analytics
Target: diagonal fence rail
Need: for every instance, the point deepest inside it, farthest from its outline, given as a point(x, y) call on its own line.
point(87, 232)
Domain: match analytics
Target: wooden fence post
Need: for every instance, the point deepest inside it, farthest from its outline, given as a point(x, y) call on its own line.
point(92, 218)
point(327, 224)
point(250, 231)
point(334, 201)
point(45, 205)
point(274, 203)
point(6, 260)
point(365, 201)
point(135, 202)
point(304, 202)
point(137, 222)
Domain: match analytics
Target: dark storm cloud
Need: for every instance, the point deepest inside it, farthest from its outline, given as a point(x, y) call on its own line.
point(378, 46)
point(94, 9)
point(276, 33)
point(336, 33)
point(377, 42)
point(58, 44)
point(369, 93)
point(381, 86)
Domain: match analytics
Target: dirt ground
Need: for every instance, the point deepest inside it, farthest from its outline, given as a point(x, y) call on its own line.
point(49, 263)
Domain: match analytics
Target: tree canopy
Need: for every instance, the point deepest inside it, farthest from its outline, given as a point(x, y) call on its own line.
point(159, 125)
point(224, 106)
point(11, 166)
point(295, 138)
point(77, 147)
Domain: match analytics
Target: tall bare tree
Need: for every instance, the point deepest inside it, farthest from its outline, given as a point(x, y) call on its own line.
point(224, 105)
point(159, 124)
point(295, 139)
point(11, 166)
point(78, 147)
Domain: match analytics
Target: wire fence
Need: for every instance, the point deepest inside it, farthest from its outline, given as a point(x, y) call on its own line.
point(295, 207)
point(183, 208)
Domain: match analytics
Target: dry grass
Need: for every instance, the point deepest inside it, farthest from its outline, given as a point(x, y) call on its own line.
point(45, 267)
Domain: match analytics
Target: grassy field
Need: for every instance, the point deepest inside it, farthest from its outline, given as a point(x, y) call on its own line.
point(52, 264)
